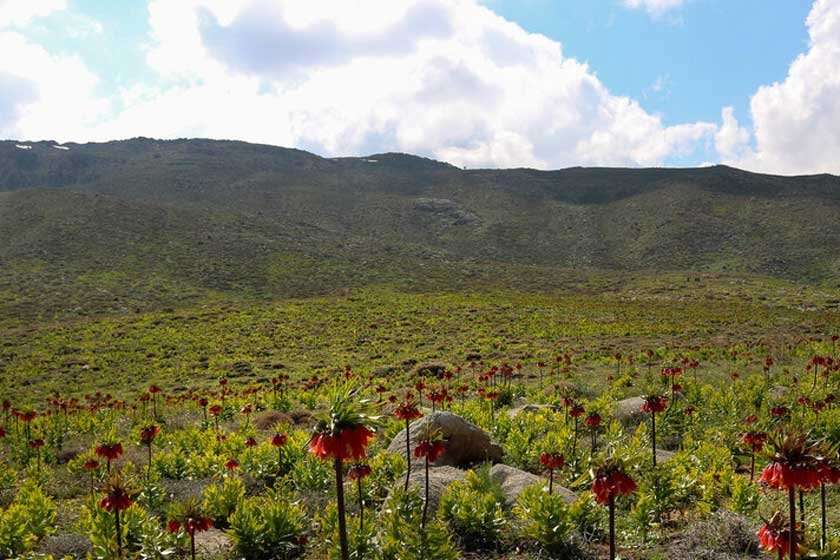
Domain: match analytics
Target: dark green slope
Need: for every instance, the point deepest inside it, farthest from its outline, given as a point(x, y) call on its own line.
point(144, 223)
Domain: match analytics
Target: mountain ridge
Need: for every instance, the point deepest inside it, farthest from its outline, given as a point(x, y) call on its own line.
point(159, 221)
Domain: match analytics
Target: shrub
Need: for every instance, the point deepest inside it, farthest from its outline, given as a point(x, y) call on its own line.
point(29, 518)
point(222, 499)
point(14, 539)
point(268, 527)
point(141, 533)
point(473, 510)
point(545, 519)
point(401, 538)
point(361, 541)
point(745, 496)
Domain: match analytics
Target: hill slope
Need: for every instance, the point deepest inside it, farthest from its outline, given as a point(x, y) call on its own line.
point(144, 223)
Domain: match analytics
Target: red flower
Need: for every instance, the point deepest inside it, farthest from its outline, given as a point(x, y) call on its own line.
point(774, 535)
point(250, 442)
point(154, 389)
point(755, 440)
point(279, 440)
point(779, 476)
point(215, 410)
point(829, 474)
point(350, 443)
point(593, 420)
point(610, 482)
point(2, 432)
point(407, 411)
point(148, 434)
point(654, 404)
point(173, 526)
point(91, 465)
point(779, 411)
point(552, 460)
point(110, 451)
point(116, 497)
point(232, 464)
point(36, 443)
point(358, 471)
point(751, 419)
point(577, 411)
point(197, 525)
point(432, 450)
point(795, 463)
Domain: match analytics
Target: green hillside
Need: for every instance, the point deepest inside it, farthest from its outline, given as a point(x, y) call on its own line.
point(144, 224)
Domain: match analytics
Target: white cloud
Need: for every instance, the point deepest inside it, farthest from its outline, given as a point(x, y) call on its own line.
point(797, 121)
point(451, 80)
point(45, 95)
point(21, 12)
point(654, 7)
point(731, 140)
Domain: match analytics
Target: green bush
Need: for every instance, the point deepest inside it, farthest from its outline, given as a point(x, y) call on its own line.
point(268, 527)
point(29, 518)
point(401, 537)
point(472, 509)
point(14, 538)
point(545, 519)
point(222, 499)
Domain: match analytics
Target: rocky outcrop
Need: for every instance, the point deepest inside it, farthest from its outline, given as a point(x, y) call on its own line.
point(513, 481)
point(439, 480)
point(466, 443)
point(629, 410)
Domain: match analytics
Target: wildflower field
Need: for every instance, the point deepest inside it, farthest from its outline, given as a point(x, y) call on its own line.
point(635, 422)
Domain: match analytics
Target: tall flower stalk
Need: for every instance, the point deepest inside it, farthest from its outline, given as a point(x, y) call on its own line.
point(609, 481)
point(552, 462)
point(147, 437)
point(653, 404)
point(343, 434)
point(359, 472)
point(407, 411)
point(187, 516)
point(118, 497)
point(793, 465)
point(429, 447)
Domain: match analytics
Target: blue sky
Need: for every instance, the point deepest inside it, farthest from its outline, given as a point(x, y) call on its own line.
point(707, 55)
point(541, 83)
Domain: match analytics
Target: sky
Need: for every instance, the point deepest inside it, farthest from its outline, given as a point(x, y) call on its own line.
point(479, 83)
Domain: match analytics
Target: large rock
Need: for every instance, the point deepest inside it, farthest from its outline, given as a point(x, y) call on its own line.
point(513, 481)
point(466, 443)
point(213, 543)
point(629, 410)
point(439, 480)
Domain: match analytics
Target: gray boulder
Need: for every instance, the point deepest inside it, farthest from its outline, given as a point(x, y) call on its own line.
point(629, 410)
point(513, 481)
point(439, 480)
point(466, 443)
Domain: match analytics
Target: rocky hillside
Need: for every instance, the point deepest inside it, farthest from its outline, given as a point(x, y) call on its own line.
point(160, 221)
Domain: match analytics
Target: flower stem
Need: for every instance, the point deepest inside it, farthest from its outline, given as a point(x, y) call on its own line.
point(425, 497)
point(119, 532)
point(612, 527)
point(342, 521)
point(792, 530)
point(361, 506)
point(823, 541)
point(653, 435)
point(407, 455)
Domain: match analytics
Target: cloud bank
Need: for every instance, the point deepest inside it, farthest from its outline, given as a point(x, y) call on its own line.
point(448, 79)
